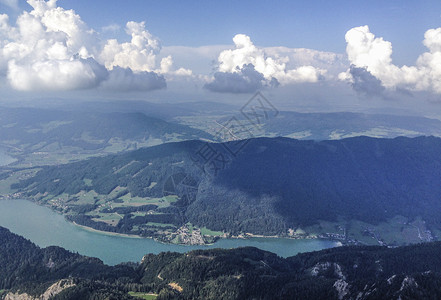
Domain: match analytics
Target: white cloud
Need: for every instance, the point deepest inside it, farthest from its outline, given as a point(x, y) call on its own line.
point(275, 66)
point(333, 63)
point(139, 54)
point(248, 68)
point(113, 28)
point(6, 33)
point(364, 50)
point(121, 79)
point(244, 80)
point(55, 74)
point(51, 48)
point(166, 68)
point(202, 59)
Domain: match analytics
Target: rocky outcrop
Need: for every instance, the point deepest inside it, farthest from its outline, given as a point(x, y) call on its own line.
point(52, 291)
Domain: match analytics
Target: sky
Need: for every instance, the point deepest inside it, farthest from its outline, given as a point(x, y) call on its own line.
point(317, 55)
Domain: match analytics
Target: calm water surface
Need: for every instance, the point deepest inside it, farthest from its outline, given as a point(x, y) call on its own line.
point(45, 227)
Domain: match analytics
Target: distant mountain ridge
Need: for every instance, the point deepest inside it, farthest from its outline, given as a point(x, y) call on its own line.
point(26, 131)
point(338, 125)
point(162, 110)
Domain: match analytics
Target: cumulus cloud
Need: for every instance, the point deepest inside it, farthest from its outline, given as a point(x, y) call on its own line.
point(247, 52)
point(374, 54)
point(166, 67)
point(364, 82)
point(240, 67)
point(124, 79)
point(51, 48)
point(139, 54)
point(56, 74)
point(333, 63)
point(48, 49)
point(244, 80)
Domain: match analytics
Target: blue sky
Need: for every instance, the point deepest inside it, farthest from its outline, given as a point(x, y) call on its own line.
point(319, 25)
point(186, 48)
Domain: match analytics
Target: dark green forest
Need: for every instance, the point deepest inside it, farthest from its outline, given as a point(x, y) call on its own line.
point(270, 185)
point(374, 272)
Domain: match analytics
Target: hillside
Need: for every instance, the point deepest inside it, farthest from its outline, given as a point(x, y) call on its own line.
point(29, 267)
point(44, 136)
point(162, 110)
point(412, 272)
point(358, 190)
point(323, 126)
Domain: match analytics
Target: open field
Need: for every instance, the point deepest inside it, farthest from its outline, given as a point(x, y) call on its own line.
point(396, 231)
point(5, 184)
point(143, 295)
point(206, 231)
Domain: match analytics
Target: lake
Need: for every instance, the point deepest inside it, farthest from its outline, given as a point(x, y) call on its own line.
point(45, 227)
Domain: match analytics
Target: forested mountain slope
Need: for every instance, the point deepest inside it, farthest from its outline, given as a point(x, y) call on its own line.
point(272, 186)
point(357, 272)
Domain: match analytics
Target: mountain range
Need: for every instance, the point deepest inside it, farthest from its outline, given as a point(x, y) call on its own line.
point(360, 189)
point(338, 125)
point(44, 136)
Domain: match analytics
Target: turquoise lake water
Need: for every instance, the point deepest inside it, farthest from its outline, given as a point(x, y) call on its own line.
point(45, 227)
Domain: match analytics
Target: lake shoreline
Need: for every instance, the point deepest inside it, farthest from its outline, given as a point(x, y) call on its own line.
point(244, 236)
point(46, 227)
point(90, 229)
